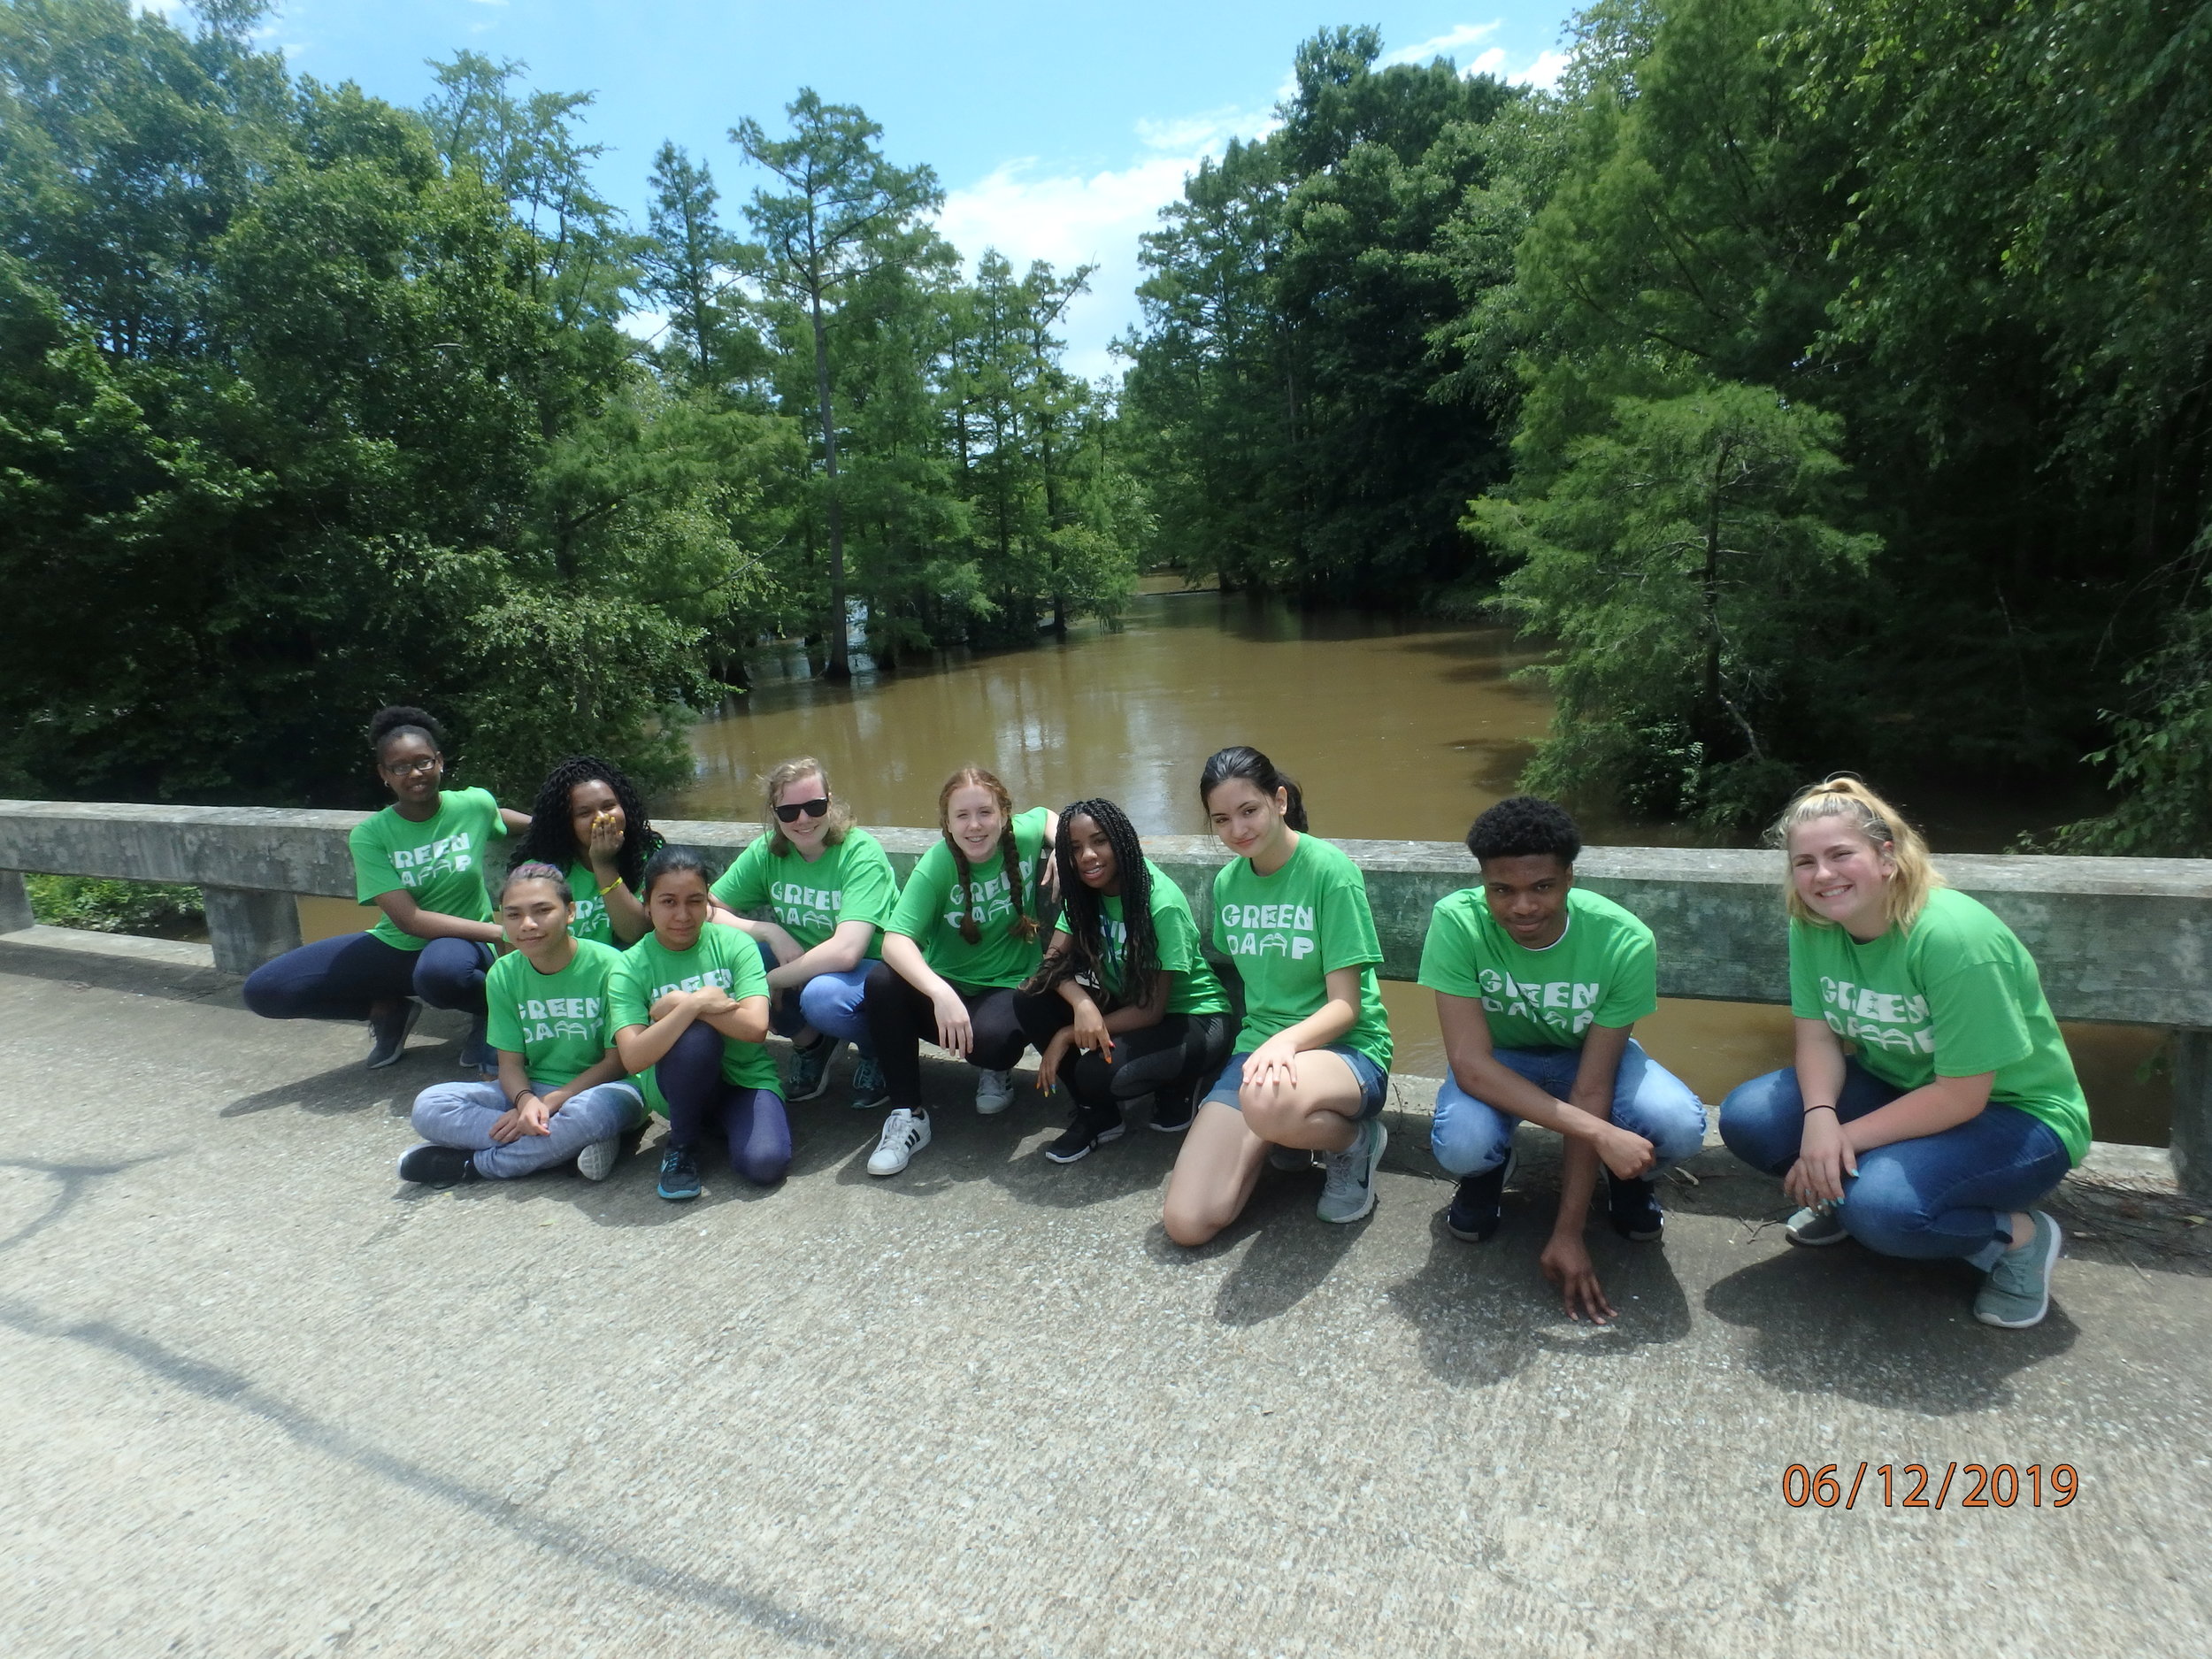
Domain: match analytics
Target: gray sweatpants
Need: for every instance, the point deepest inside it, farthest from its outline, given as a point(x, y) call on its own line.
point(462, 1115)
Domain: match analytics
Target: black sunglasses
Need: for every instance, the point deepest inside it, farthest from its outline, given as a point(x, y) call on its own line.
point(812, 809)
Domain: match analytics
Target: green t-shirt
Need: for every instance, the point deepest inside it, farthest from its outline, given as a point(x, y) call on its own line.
point(1602, 971)
point(591, 910)
point(1288, 931)
point(930, 909)
point(722, 956)
point(556, 1022)
point(440, 860)
point(850, 882)
point(1956, 996)
point(1175, 931)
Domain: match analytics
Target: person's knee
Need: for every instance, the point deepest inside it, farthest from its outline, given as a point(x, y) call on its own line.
point(822, 1003)
point(1669, 1115)
point(1759, 1121)
point(1269, 1113)
point(450, 973)
point(1189, 1223)
point(431, 1106)
point(1883, 1213)
point(762, 1166)
point(270, 991)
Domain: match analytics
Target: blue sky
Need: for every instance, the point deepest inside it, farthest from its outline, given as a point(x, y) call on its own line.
point(1057, 132)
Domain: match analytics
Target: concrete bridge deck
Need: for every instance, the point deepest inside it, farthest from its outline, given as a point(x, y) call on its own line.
point(259, 1398)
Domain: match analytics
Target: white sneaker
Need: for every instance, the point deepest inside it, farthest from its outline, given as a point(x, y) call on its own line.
point(994, 1092)
point(904, 1133)
point(595, 1162)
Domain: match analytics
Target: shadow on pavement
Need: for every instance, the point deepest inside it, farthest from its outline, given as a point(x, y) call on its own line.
point(1484, 1311)
point(341, 1090)
point(1886, 1332)
point(89, 970)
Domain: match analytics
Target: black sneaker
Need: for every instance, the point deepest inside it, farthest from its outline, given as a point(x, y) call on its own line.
point(387, 1033)
point(680, 1175)
point(1479, 1203)
point(1633, 1209)
point(438, 1166)
point(1173, 1111)
point(1089, 1129)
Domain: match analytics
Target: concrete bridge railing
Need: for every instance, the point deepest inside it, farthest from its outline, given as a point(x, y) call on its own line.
point(2125, 940)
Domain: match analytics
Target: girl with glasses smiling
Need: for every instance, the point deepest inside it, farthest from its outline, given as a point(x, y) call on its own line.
point(814, 894)
point(420, 861)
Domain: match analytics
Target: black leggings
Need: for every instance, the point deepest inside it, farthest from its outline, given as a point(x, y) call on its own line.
point(1161, 1059)
point(901, 1019)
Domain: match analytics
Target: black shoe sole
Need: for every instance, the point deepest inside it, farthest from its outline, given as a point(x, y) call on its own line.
point(438, 1166)
point(1099, 1140)
point(1480, 1235)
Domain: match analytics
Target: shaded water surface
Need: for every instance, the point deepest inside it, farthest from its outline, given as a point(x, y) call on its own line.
point(1397, 728)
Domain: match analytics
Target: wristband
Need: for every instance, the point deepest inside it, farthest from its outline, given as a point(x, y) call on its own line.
point(611, 887)
point(1809, 1110)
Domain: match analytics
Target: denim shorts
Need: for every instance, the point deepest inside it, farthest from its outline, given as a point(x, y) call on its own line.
point(1374, 1082)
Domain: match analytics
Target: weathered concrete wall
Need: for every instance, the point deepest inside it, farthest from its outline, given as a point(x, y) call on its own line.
point(2117, 939)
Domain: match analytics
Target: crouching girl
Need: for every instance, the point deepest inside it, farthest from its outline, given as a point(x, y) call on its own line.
point(1961, 1107)
point(561, 1092)
point(690, 1005)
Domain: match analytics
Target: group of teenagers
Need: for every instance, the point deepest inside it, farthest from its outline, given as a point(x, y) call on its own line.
point(616, 977)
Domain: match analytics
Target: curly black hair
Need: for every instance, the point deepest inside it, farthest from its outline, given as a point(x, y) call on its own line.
point(387, 724)
point(551, 839)
point(1522, 826)
point(1082, 916)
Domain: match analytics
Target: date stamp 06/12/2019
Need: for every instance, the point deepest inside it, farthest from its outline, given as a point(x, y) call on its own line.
point(1906, 1485)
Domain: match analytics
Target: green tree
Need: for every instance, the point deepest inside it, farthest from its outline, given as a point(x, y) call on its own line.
point(1679, 559)
point(843, 213)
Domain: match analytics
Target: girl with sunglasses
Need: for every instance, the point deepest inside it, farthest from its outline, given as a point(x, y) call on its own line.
point(420, 861)
point(589, 822)
point(1124, 1005)
point(963, 935)
point(814, 893)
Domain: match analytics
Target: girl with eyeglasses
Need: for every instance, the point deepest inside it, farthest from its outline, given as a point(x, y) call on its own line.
point(589, 823)
point(963, 936)
point(814, 893)
point(420, 861)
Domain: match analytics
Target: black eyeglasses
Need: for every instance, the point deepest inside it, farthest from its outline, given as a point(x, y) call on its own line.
point(812, 809)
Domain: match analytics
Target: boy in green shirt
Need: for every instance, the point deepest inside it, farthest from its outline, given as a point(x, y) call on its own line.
point(1538, 984)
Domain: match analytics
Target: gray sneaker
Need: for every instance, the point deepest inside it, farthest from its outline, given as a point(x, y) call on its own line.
point(597, 1161)
point(477, 1053)
point(1349, 1192)
point(870, 1092)
point(1810, 1226)
point(2017, 1292)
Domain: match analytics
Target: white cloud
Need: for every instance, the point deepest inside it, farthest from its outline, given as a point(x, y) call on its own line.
point(1488, 63)
point(1070, 219)
point(1543, 73)
point(1444, 45)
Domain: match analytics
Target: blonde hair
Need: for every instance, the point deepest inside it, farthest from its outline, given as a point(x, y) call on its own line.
point(1024, 927)
point(839, 815)
point(1905, 894)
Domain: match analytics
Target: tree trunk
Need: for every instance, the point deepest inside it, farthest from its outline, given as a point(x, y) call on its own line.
point(840, 668)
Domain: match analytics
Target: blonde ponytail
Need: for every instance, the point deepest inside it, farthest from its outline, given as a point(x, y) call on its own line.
point(1905, 894)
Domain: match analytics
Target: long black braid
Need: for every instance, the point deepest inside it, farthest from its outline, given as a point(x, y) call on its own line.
point(551, 838)
point(1083, 915)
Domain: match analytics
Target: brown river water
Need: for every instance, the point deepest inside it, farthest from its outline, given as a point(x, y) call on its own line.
point(1396, 729)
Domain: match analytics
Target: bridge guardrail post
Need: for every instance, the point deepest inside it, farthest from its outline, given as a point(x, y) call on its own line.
point(248, 926)
point(15, 902)
point(2190, 1143)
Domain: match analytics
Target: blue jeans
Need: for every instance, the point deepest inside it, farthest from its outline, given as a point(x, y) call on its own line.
point(1471, 1137)
point(830, 1002)
point(1374, 1082)
point(462, 1115)
point(1947, 1195)
point(337, 979)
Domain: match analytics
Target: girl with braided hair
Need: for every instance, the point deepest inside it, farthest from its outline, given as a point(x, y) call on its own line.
point(1126, 939)
point(420, 861)
point(963, 935)
point(590, 824)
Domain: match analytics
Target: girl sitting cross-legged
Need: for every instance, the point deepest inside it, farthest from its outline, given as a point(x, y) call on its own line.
point(561, 1092)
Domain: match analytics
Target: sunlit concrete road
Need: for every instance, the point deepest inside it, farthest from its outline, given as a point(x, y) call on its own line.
point(259, 1398)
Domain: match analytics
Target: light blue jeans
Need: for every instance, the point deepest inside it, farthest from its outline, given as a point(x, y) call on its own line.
point(830, 1002)
point(1471, 1137)
point(462, 1115)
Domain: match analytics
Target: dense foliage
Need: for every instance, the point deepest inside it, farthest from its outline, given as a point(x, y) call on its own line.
point(310, 403)
point(1853, 362)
